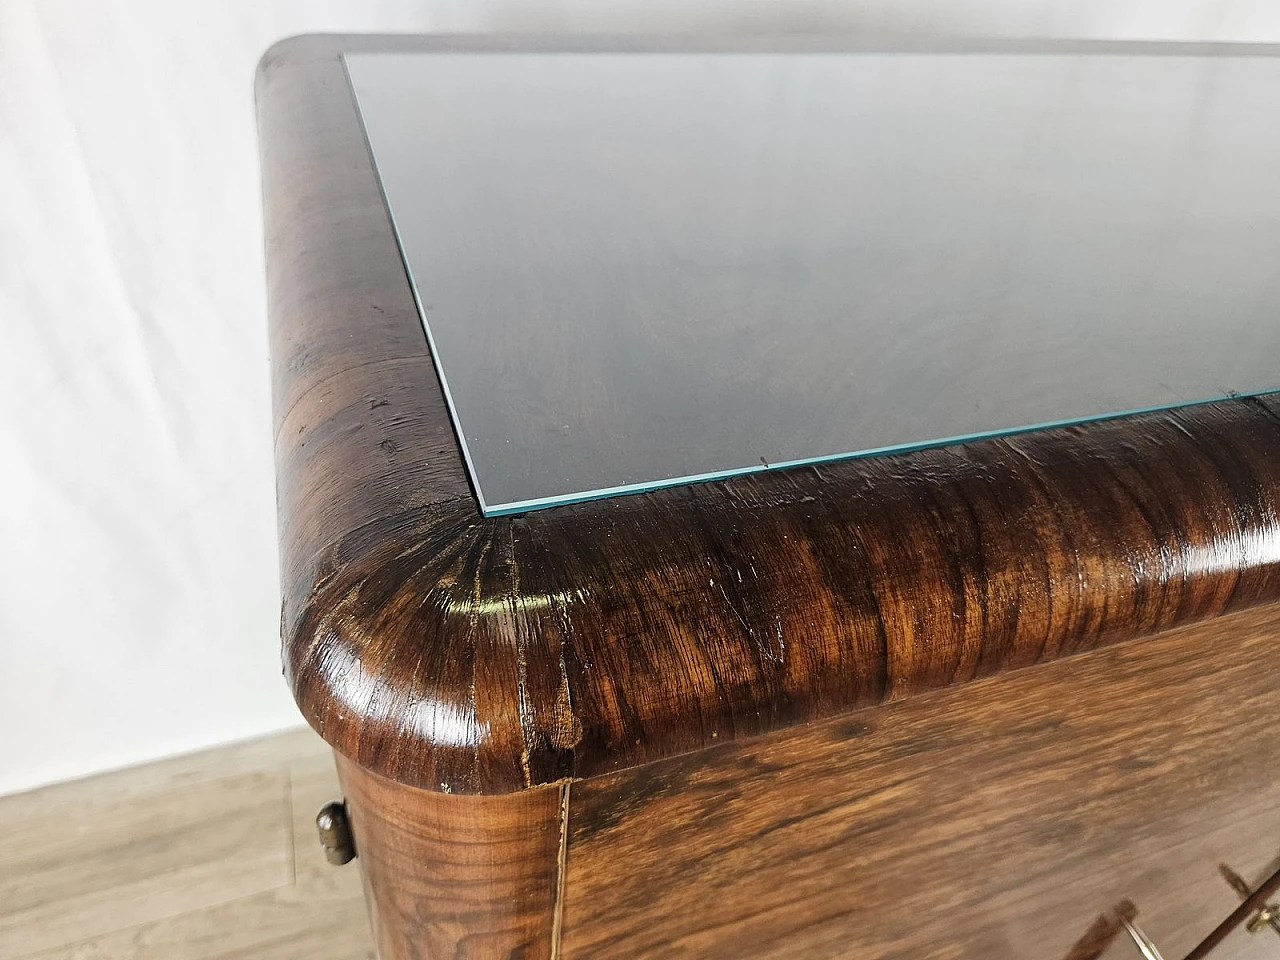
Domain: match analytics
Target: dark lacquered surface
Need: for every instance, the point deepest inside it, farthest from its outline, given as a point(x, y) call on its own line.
point(465, 654)
point(484, 655)
point(643, 267)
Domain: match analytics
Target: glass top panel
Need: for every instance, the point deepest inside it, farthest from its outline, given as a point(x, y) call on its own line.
point(645, 269)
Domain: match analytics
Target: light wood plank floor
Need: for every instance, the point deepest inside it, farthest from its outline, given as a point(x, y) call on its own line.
point(210, 855)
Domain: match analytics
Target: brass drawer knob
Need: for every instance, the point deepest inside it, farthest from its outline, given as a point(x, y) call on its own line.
point(1268, 916)
point(334, 827)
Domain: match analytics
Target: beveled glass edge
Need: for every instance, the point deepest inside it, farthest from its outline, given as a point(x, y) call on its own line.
point(746, 45)
point(524, 506)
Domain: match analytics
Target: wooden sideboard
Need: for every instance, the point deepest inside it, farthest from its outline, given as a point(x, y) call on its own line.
point(987, 700)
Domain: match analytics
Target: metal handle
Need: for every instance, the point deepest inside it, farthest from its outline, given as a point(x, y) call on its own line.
point(334, 827)
point(1255, 909)
point(1143, 942)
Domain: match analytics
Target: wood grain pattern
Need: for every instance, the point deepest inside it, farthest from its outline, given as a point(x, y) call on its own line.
point(233, 838)
point(466, 877)
point(997, 820)
point(208, 856)
point(449, 651)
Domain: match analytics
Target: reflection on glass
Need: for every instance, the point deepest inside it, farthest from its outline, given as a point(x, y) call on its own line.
point(642, 269)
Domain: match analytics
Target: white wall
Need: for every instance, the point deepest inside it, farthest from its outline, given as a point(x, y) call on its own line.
point(138, 596)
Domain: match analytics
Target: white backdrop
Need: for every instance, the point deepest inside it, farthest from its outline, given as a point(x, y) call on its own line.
point(138, 595)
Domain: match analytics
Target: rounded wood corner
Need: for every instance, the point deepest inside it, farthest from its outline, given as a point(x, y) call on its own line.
point(415, 661)
point(459, 653)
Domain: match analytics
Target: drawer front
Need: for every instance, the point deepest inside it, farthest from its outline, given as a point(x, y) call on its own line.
point(1013, 818)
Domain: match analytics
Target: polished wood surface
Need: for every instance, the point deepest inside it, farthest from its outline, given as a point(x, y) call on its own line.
point(449, 651)
point(993, 821)
point(982, 701)
point(463, 877)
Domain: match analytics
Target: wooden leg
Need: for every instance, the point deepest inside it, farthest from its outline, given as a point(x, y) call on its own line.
point(458, 877)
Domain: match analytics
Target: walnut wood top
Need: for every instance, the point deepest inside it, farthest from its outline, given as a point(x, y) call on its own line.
point(446, 650)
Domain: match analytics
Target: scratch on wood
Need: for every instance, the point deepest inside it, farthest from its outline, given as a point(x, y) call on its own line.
point(562, 858)
point(522, 662)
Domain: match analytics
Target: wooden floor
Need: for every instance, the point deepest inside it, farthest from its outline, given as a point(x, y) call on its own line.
point(211, 855)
